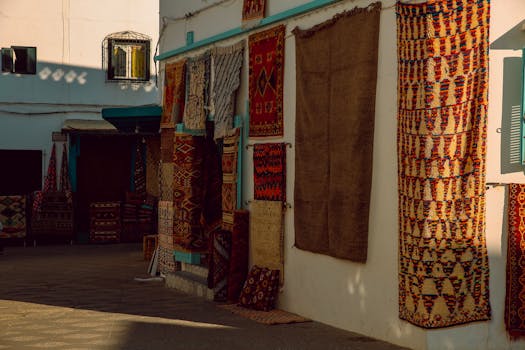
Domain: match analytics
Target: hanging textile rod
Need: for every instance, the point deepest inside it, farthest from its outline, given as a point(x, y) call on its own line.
point(281, 16)
point(285, 204)
point(288, 144)
point(495, 184)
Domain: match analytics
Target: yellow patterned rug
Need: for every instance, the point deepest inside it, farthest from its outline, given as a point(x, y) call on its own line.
point(442, 91)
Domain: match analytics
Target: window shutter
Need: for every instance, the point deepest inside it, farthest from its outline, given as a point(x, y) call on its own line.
point(522, 107)
point(7, 60)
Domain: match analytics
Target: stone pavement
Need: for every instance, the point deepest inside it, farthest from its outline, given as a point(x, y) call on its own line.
point(84, 297)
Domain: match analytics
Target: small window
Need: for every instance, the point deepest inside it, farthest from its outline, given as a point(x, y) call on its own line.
point(128, 60)
point(19, 59)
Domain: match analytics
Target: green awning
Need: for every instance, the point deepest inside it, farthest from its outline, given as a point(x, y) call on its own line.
point(140, 119)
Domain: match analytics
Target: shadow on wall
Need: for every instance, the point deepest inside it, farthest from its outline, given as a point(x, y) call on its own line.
point(511, 119)
point(62, 83)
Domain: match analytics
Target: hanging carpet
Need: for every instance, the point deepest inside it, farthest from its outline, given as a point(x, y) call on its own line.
point(197, 99)
point(442, 115)
point(266, 235)
point(269, 171)
point(229, 178)
point(227, 63)
point(515, 293)
point(174, 94)
point(266, 74)
point(334, 135)
point(196, 194)
point(221, 264)
point(253, 10)
point(13, 217)
point(239, 256)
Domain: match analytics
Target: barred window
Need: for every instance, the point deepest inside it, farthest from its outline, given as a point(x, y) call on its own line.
point(126, 56)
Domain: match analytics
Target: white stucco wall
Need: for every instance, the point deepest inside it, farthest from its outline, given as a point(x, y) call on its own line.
point(70, 82)
point(364, 297)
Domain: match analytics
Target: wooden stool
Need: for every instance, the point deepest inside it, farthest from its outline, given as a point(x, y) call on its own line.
point(149, 244)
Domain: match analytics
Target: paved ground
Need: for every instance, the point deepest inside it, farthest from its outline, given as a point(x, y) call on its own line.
point(84, 297)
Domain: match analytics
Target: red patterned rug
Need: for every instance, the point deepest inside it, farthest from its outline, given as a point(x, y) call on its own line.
point(269, 171)
point(266, 82)
point(221, 263)
point(105, 222)
point(239, 256)
point(188, 192)
point(515, 294)
point(253, 9)
point(12, 216)
point(229, 178)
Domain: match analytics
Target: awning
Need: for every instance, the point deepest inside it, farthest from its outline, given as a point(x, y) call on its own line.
point(140, 119)
point(88, 126)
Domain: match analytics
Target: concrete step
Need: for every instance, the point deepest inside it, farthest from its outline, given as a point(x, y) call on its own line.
point(189, 283)
point(195, 269)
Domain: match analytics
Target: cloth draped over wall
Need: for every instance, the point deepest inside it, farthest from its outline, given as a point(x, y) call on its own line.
point(335, 132)
point(442, 114)
point(515, 292)
point(227, 64)
point(265, 85)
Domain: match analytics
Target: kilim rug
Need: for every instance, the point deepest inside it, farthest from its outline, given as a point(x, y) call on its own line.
point(253, 10)
point(139, 176)
point(227, 63)
point(167, 142)
point(166, 181)
point(50, 182)
point(442, 115)
point(12, 216)
point(329, 121)
point(174, 94)
point(271, 317)
point(166, 262)
point(266, 235)
point(515, 294)
point(65, 183)
point(221, 264)
point(269, 171)
point(229, 178)
point(165, 224)
point(239, 256)
point(195, 110)
point(188, 192)
point(266, 82)
point(153, 166)
point(105, 223)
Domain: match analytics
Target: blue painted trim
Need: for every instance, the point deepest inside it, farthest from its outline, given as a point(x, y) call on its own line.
point(182, 129)
point(74, 152)
point(189, 258)
point(189, 37)
point(281, 16)
point(237, 122)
